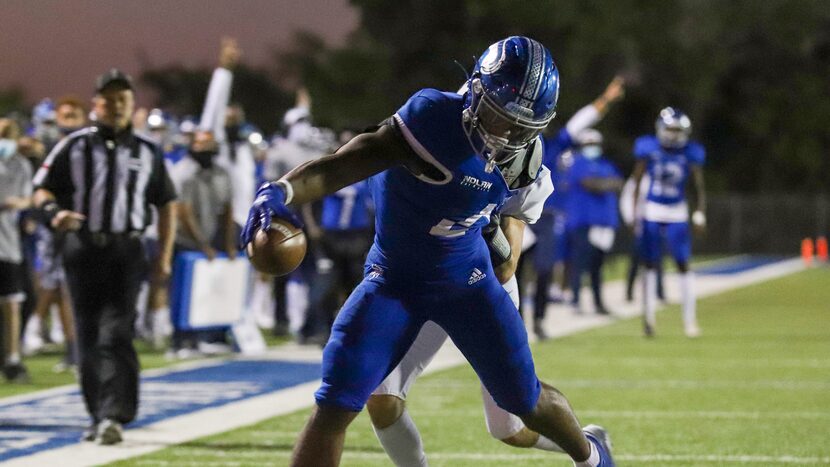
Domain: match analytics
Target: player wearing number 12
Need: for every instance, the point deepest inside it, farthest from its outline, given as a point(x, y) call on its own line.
point(438, 168)
point(669, 157)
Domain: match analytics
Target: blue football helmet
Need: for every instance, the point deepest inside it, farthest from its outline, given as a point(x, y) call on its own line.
point(673, 128)
point(511, 98)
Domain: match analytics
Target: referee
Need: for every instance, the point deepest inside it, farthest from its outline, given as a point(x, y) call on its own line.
point(96, 188)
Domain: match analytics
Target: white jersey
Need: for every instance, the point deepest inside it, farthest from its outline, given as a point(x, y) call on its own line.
point(527, 204)
point(628, 212)
point(242, 171)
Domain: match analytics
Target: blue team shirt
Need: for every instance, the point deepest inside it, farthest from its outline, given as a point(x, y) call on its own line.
point(554, 147)
point(586, 208)
point(176, 154)
point(668, 168)
point(428, 230)
point(347, 208)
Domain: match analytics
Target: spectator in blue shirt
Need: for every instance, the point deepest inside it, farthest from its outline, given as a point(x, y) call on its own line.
point(592, 217)
point(341, 239)
point(552, 250)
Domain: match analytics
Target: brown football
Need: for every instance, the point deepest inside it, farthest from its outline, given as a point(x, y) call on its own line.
point(278, 251)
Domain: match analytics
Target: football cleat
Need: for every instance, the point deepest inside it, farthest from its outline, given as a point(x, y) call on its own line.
point(598, 436)
point(692, 330)
point(648, 329)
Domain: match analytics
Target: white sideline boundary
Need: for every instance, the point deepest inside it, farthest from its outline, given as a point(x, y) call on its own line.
point(560, 321)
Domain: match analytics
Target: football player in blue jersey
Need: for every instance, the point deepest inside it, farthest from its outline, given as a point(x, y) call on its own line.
point(669, 157)
point(438, 168)
point(391, 421)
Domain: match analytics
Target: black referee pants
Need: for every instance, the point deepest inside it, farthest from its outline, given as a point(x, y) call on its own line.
point(104, 273)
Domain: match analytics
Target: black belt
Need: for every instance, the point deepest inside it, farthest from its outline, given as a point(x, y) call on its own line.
point(103, 239)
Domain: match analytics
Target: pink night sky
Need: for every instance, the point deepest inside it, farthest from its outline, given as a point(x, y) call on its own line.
point(55, 47)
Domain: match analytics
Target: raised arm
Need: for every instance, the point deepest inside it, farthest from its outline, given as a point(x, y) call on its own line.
point(219, 91)
point(592, 113)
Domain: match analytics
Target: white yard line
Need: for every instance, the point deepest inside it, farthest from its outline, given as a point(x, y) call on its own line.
point(493, 457)
point(210, 421)
point(646, 414)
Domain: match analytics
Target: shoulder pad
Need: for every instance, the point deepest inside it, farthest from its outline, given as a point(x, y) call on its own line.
point(524, 168)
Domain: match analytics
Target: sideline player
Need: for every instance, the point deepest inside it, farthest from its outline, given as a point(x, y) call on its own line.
point(669, 157)
point(438, 170)
point(552, 252)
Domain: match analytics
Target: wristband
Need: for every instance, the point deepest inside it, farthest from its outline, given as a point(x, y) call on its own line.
point(698, 218)
point(287, 188)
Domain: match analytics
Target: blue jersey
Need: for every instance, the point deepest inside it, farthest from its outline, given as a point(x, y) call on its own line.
point(347, 208)
point(586, 208)
point(668, 168)
point(176, 154)
point(554, 147)
point(428, 228)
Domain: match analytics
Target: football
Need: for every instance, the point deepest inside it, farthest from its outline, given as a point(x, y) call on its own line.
point(279, 250)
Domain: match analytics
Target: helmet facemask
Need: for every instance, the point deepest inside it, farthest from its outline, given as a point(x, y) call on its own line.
point(498, 134)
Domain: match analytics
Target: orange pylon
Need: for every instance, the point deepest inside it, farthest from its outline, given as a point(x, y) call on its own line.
point(821, 248)
point(807, 251)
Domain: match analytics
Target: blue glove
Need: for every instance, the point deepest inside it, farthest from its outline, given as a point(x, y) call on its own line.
point(269, 202)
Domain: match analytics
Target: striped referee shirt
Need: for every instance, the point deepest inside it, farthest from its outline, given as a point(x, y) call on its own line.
point(111, 178)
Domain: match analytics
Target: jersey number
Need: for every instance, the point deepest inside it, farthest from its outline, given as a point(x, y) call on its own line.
point(450, 228)
point(667, 179)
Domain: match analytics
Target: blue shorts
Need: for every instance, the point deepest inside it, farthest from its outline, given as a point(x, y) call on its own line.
point(378, 324)
point(676, 236)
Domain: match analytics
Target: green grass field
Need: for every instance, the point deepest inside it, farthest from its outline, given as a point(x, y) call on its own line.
point(41, 366)
point(755, 389)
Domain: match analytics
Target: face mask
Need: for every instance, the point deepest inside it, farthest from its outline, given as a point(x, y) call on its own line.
point(8, 147)
point(204, 158)
point(592, 151)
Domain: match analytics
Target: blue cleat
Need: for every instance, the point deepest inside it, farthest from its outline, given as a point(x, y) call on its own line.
point(599, 437)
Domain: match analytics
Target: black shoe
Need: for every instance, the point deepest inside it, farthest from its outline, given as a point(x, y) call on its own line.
point(90, 433)
point(601, 310)
point(16, 373)
point(648, 330)
point(539, 330)
point(109, 432)
point(317, 339)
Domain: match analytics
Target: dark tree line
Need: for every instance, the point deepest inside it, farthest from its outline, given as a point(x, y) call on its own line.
point(754, 75)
